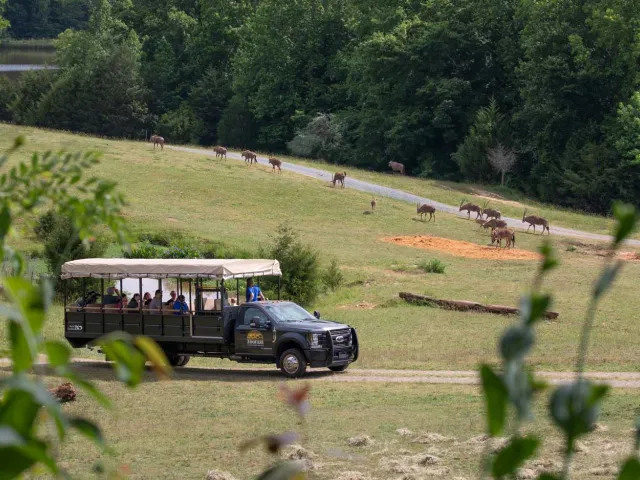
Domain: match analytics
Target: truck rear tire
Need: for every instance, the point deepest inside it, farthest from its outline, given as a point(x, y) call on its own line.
point(293, 363)
point(184, 359)
point(340, 368)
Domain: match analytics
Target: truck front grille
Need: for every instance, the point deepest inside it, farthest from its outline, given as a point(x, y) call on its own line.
point(341, 337)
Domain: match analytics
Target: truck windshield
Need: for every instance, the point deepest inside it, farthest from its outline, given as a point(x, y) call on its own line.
point(289, 312)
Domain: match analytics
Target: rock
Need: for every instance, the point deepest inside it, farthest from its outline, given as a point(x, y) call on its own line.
point(360, 441)
point(218, 475)
point(404, 432)
point(427, 460)
point(64, 393)
point(598, 427)
point(430, 438)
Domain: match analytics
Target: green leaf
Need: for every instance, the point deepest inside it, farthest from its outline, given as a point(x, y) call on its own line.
point(547, 476)
point(637, 433)
point(58, 353)
point(533, 307)
point(129, 361)
point(154, 354)
point(21, 355)
point(19, 412)
point(626, 216)
point(606, 279)
point(630, 470)
point(549, 261)
point(14, 462)
point(291, 470)
point(511, 457)
point(496, 395)
point(88, 429)
point(10, 438)
point(516, 342)
point(5, 222)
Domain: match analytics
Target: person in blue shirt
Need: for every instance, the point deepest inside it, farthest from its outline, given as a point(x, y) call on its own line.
point(254, 294)
point(180, 306)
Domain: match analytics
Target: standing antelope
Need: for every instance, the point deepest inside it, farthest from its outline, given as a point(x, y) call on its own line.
point(470, 207)
point(275, 163)
point(373, 204)
point(533, 220)
point(157, 140)
point(491, 213)
point(249, 157)
point(339, 177)
point(498, 234)
point(424, 209)
point(220, 151)
point(494, 223)
point(397, 167)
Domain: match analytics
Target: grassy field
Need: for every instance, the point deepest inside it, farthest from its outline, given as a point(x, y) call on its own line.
point(181, 428)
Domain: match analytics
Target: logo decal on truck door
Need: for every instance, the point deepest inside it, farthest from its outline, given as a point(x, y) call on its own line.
point(254, 339)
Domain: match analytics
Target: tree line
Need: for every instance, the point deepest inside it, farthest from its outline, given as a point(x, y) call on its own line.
point(435, 85)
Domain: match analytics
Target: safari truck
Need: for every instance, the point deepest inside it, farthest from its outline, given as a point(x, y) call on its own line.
point(268, 332)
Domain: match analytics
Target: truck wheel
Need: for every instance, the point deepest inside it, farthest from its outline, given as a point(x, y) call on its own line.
point(293, 363)
point(340, 368)
point(174, 359)
point(184, 359)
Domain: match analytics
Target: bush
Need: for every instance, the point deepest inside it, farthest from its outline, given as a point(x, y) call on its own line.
point(45, 225)
point(162, 239)
point(432, 266)
point(144, 250)
point(332, 277)
point(299, 264)
point(182, 250)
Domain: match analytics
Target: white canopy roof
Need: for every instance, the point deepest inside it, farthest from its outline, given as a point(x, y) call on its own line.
point(117, 268)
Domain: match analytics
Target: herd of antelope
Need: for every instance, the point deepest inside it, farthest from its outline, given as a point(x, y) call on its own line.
point(485, 217)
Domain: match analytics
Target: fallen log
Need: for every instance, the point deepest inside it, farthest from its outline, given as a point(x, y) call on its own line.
point(465, 306)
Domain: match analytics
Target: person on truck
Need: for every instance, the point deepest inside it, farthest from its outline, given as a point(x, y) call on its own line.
point(112, 297)
point(254, 294)
point(156, 303)
point(180, 306)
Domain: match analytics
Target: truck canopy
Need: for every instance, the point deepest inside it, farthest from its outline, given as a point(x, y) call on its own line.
point(219, 269)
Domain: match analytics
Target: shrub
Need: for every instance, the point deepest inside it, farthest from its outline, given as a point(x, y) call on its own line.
point(144, 250)
point(299, 264)
point(432, 266)
point(45, 225)
point(181, 251)
point(162, 239)
point(571, 248)
point(332, 277)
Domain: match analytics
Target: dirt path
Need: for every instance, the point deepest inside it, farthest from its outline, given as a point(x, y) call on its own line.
point(381, 191)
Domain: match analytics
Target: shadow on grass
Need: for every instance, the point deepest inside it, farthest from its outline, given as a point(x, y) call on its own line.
point(103, 371)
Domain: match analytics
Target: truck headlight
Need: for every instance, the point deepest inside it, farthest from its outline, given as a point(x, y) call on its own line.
point(314, 339)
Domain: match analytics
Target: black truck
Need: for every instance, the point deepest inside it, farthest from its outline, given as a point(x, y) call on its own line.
point(271, 332)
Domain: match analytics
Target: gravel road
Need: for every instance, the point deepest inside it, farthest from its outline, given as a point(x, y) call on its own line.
point(396, 194)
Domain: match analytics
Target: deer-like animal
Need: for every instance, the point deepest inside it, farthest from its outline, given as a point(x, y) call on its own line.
point(220, 151)
point(373, 204)
point(397, 167)
point(503, 233)
point(533, 220)
point(424, 209)
point(470, 207)
point(249, 157)
point(157, 140)
point(491, 213)
point(493, 224)
point(275, 163)
point(339, 177)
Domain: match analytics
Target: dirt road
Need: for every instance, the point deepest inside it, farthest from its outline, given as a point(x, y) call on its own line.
point(396, 194)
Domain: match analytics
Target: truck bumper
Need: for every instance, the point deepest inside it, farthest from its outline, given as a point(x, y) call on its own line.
point(323, 358)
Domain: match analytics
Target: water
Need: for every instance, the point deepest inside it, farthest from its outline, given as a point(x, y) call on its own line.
point(15, 60)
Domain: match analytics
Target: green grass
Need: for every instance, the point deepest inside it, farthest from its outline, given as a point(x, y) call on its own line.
point(195, 422)
point(432, 266)
point(173, 193)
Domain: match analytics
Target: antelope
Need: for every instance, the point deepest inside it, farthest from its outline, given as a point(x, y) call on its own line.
point(220, 151)
point(424, 209)
point(470, 207)
point(275, 163)
point(339, 177)
point(157, 140)
point(532, 220)
point(373, 204)
point(397, 167)
point(491, 213)
point(493, 224)
point(249, 157)
point(498, 234)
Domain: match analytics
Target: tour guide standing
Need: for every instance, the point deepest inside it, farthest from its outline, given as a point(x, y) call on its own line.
point(254, 293)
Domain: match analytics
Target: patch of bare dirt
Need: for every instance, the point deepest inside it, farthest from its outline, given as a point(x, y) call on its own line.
point(404, 432)
point(358, 306)
point(217, 475)
point(430, 437)
point(353, 476)
point(296, 452)
point(460, 248)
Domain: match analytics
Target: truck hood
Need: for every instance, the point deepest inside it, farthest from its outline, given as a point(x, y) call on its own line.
point(310, 326)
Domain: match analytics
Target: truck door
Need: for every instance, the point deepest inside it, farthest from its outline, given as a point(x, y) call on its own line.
point(253, 335)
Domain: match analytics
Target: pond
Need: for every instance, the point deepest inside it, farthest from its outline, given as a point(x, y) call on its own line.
point(17, 59)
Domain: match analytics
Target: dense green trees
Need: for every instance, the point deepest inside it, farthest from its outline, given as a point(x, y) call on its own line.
point(433, 85)
point(44, 18)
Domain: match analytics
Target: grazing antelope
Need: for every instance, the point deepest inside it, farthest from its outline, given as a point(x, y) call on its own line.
point(494, 223)
point(491, 213)
point(373, 205)
point(249, 157)
point(157, 140)
point(339, 177)
point(220, 151)
point(470, 207)
point(397, 167)
point(275, 163)
point(502, 233)
point(532, 220)
point(424, 209)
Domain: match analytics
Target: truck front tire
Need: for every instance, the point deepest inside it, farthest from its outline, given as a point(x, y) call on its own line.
point(293, 363)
